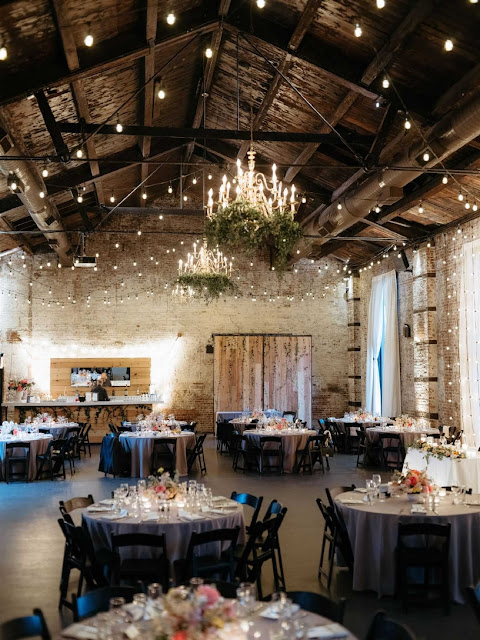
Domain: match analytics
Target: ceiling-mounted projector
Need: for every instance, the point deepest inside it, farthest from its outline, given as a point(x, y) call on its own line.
point(85, 261)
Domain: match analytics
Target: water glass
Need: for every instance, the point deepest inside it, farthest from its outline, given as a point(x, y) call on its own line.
point(116, 603)
point(195, 583)
point(456, 494)
point(371, 491)
point(141, 486)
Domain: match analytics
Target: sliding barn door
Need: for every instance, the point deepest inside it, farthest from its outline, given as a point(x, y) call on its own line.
point(263, 372)
point(238, 376)
point(287, 374)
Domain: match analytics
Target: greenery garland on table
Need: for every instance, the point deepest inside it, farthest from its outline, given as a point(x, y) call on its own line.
point(243, 226)
point(209, 286)
point(439, 451)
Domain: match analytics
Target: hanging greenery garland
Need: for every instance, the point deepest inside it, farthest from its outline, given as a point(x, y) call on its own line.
point(241, 226)
point(209, 286)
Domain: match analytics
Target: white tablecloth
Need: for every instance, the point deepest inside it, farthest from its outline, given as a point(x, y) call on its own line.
point(447, 472)
point(373, 535)
point(407, 435)
point(291, 441)
point(141, 448)
point(38, 445)
point(177, 532)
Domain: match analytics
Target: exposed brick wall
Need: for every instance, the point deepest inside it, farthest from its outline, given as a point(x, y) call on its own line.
point(33, 333)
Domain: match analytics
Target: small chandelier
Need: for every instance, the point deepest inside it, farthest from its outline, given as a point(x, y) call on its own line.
point(204, 274)
point(254, 189)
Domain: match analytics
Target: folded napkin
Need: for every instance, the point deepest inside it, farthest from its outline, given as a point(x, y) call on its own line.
point(117, 516)
point(219, 498)
point(108, 501)
point(360, 490)
point(80, 632)
point(186, 515)
point(98, 508)
point(271, 612)
point(150, 517)
point(351, 501)
point(418, 508)
point(333, 630)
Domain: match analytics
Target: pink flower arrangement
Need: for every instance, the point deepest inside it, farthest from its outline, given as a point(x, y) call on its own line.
point(20, 385)
point(413, 481)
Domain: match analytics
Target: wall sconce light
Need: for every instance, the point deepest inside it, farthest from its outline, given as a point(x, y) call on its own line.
point(407, 331)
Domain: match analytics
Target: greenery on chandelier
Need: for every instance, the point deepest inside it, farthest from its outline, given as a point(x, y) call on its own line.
point(241, 226)
point(209, 286)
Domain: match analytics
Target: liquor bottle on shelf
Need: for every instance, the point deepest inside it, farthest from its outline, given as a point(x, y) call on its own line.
point(125, 393)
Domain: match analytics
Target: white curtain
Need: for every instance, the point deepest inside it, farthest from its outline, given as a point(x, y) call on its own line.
point(383, 392)
point(469, 347)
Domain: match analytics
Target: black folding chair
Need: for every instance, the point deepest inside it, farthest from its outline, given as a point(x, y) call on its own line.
point(392, 449)
point(84, 439)
point(251, 501)
point(383, 628)
point(98, 600)
point(311, 454)
point(53, 460)
point(321, 605)
point(67, 506)
point(211, 565)
point(197, 453)
point(271, 457)
point(17, 453)
point(133, 569)
point(26, 627)
point(164, 455)
point(330, 538)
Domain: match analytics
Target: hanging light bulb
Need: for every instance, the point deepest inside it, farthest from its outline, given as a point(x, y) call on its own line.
point(194, 181)
point(448, 46)
point(467, 204)
point(304, 200)
point(385, 83)
point(160, 90)
point(170, 190)
point(88, 38)
point(339, 206)
point(420, 208)
point(445, 179)
point(380, 4)
point(144, 195)
point(12, 182)
point(260, 4)
point(79, 153)
point(358, 30)
point(208, 52)
point(80, 198)
point(42, 194)
point(3, 53)
point(185, 198)
point(460, 196)
point(45, 172)
point(426, 156)
point(377, 209)
point(408, 124)
point(209, 176)
point(119, 126)
point(474, 206)
point(112, 198)
point(171, 19)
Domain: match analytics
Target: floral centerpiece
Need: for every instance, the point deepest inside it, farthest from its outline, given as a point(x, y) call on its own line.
point(404, 421)
point(413, 482)
point(165, 485)
point(279, 423)
point(189, 615)
point(439, 451)
point(20, 385)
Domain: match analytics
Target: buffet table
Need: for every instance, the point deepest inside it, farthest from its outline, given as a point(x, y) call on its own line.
point(446, 472)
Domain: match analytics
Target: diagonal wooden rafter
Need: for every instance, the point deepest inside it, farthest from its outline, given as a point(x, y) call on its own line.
point(205, 81)
point(300, 30)
point(149, 90)
point(415, 17)
point(77, 86)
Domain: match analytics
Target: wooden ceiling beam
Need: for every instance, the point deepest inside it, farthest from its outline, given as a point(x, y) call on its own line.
point(19, 238)
point(415, 17)
point(109, 56)
point(300, 30)
point(148, 72)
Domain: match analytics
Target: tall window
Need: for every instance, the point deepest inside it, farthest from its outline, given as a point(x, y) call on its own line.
point(383, 393)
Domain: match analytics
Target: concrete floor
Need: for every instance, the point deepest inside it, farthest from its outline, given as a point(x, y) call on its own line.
point(31, 544)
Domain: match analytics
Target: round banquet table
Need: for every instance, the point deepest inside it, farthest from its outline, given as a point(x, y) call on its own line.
point(177, 530)
point(259, 627)
point(58, 430)
point(38, 445)
point(134, 425)
point(446, 472)
point(292, 440)
point(352, 425)
point(373, 536)
point(408, 435)
point(141, 447)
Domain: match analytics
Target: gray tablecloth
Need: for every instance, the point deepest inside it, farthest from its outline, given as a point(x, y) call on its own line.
point(141, 448)
point(177, 533)
point(373, 535)
point(38, 445)
point(291, 443)
point(446, 472)
point(407, 436)
point(134, 425)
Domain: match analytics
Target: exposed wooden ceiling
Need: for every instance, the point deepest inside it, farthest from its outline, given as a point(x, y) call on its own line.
point(312, 45)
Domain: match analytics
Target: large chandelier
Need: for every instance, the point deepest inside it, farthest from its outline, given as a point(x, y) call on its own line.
point(204, 274)
point(254, 188)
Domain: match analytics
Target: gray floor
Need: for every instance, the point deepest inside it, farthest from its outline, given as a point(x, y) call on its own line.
point(31, 542)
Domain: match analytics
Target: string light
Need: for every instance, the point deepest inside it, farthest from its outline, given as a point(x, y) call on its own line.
point(194, 181)
point(170, 190)
point(385, 83)
point(358, 30)
point(408, 124)
point(88, 38)
point(119, 126)
point(3, 53)
point(171, 19)
point(380, 4)
point(460, 196)
point(112, 198)
point(160, 90)
point(260, 4)
point(79, 153)
point(12, 182)
point(144, 195)
point(45, 172)
point(445, 179)
point(420, 208)
point(426, 156)
point(42, 194)
point(448, 46)
point(209, 176)
point(208, 52)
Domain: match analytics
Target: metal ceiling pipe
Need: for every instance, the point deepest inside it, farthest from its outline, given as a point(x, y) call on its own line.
point(386, 187)
point(42, 211)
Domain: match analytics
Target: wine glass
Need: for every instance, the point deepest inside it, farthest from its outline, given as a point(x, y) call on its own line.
point(371, 490)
